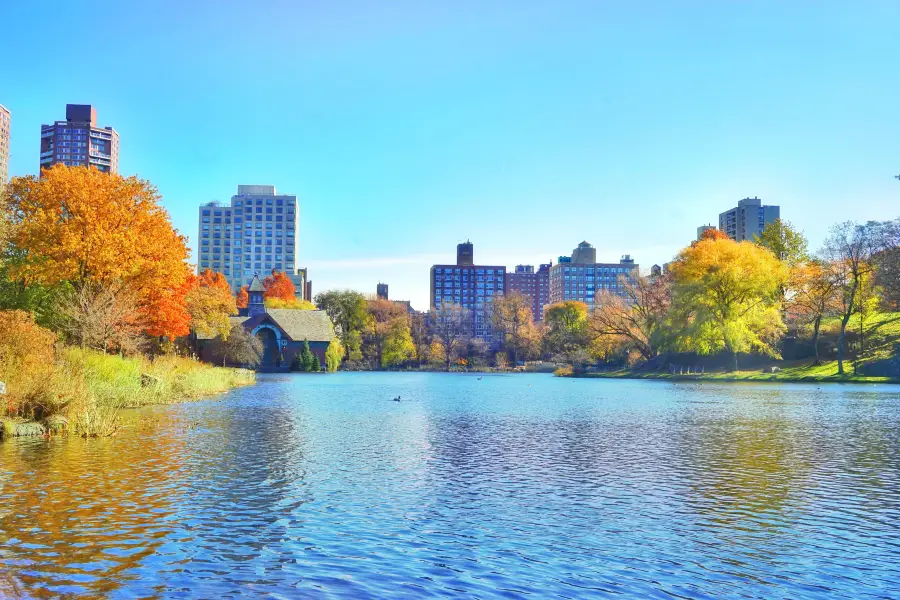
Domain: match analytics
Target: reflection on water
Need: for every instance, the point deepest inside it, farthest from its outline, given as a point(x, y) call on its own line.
point(307, 486)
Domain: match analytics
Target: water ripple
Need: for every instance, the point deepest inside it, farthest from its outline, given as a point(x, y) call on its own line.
point(322, 487)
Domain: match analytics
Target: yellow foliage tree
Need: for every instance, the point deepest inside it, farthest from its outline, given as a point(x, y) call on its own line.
point(210, 303)
point(513, 316)
point(726, 298)
point(82, 226)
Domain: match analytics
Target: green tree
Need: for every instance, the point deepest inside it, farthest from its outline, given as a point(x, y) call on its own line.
point(726, 298)
point(347, 310)
point(789, 246)
point(306, 360)
point(567, 328)
point(333, 355)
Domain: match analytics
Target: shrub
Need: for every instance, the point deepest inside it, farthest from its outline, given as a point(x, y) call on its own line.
point(27, 355)
point(564, 371)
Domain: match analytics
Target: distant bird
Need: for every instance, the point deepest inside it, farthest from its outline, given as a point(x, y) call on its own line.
point(479, 379)
point(397, 399)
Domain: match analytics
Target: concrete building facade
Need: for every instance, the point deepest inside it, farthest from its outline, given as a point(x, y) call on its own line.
point(747, 219)
point(5, 134)
point(471, 286)
point(572, 279)
point(533, 285)
point(78, 141)
point(256, 233)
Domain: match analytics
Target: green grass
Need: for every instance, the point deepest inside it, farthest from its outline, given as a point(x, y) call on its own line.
point(805, 372)
point(130, 382)
point(882, 337)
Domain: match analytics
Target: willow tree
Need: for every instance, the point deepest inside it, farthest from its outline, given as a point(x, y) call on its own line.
point(726, 298)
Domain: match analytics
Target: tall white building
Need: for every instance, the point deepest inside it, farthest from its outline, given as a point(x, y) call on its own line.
point(748, 219)
point(256, 233)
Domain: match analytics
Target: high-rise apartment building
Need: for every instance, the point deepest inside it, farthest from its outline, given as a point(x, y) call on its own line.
point(5, 128)
point(79, 141)
point(572, 278)
point(532, 285)
point(256, 233)
point(471, 286)
point(748, 219)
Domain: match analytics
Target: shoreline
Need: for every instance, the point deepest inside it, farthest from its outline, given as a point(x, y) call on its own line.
point(747, 377)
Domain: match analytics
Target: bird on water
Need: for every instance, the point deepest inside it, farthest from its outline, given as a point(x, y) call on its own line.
point(397, 399)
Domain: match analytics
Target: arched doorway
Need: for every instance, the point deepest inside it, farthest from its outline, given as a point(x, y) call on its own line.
point(271, 352)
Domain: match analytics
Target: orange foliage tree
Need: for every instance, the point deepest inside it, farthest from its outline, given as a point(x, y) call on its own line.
point(242, 298)
point(279, 285)
point(81, 226)
point(210, 303)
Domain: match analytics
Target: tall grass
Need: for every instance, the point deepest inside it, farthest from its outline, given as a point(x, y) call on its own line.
point(89, 388)
point(140, 381)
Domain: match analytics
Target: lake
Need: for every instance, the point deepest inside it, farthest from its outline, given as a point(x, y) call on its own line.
point(501, 486)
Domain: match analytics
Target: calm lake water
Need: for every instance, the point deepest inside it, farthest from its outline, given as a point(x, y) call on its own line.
point(318, 486)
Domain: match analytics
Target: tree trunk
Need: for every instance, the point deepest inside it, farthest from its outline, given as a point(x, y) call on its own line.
point(816, 324)
point(844, 320)
point(734, 355)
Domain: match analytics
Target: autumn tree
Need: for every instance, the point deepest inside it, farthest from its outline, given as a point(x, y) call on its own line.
point(347, 310)
point(398, 348)
point(513, 317)
point(102, 318)
point(451, 326)
point(712, 234)
point(239, 348)
point(295, 304)
point(725, 297)
point(279, 285)
point(638, 316)
point(387, 324)
point(887, 263)
point(421, 338)
point(79, 226)
point(815, 296)
point(850, 248)
point(334, 354)
point(210, 304)
point(567, 328)
point(242, 298)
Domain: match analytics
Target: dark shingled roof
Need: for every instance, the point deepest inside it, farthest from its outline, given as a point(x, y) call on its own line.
point(312, 325)
point(256, 285)
point(299, 325)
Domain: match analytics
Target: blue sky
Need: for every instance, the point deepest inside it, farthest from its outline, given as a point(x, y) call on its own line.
point(527, 127)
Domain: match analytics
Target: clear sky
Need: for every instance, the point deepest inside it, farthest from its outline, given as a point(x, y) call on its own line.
point(527, 127)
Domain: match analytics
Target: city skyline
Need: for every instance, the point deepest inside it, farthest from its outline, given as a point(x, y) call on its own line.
point(545, 123)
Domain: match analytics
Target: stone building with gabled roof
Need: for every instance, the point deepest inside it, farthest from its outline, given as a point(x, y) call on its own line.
point(282, 331)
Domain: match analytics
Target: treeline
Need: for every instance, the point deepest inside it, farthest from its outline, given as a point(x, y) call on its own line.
point(717, 297)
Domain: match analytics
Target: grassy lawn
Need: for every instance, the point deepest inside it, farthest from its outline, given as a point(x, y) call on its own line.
point(882, 337)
